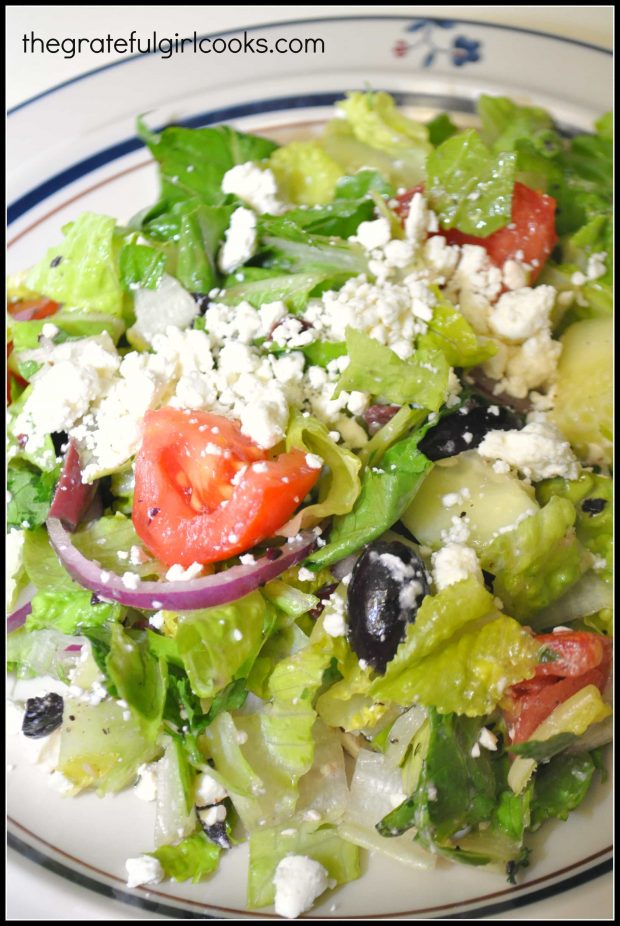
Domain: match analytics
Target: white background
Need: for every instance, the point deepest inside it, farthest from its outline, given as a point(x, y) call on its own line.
point(28, 75)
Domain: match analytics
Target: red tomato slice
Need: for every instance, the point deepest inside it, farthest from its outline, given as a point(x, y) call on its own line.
point(204, 492)
point(584, 659)
point(530, 236)
point(33, 309)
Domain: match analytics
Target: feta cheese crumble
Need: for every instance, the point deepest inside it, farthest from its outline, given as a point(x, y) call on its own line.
point(453, 563)
point(298, 881)
point(255, 185)
point(143, 870)
point(240, 242)
point(208, 791)
point(538, 450)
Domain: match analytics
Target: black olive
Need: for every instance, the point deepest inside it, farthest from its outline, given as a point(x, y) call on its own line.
point(202, 300)
point(387, 585)
point(466, 428)
point(593, 506)
point(60, 441)
point(43, 715)
point(216, 832)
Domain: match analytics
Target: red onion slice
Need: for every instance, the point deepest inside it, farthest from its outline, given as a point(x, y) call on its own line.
point(18, 618)
point(221, 588)
point(72, 497)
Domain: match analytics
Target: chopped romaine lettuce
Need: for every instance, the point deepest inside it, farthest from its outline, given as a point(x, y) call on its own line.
point(305, 174)
point(139, 678)
point(194, 857)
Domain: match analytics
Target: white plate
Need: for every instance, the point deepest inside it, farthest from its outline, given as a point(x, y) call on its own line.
point(91, 160)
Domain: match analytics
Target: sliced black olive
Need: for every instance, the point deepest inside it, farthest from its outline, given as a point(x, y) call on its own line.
point(202, 300)
point(60, 441)
point(387, 585)
point(466, 428)
point(43, 715)
point(593, 506)
point(216, 832)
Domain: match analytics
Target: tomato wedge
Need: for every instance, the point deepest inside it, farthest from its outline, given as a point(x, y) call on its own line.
point(204, 492)
point(582, 659)
point(529, 237)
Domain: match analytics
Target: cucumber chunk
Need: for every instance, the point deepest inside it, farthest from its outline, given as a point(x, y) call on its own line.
point(492, 501)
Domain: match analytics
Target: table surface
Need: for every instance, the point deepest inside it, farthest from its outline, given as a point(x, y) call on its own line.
point(30, 75)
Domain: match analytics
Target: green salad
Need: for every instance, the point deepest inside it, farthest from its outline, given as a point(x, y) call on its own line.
point(309, 495)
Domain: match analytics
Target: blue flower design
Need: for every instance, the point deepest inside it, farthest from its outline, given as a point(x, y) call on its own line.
point(421, 23)
point(465, 50)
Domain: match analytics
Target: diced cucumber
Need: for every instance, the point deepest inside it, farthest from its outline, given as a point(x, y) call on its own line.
point(583, 409)
point(492, 501)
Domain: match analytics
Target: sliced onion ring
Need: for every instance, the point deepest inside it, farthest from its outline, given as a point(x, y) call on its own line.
point(18, 618)
point(221, 588)
point(72, 497)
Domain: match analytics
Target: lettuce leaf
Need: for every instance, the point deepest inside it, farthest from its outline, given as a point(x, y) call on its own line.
point(505, 122)
point(560, 786)
point(101, 748)
point(139, 678)
point(450, 332)
point(374, 368)
point(220, 644)
point(39, 652)
point(268, 847)
point(469, 187)
point(363, 183)
point(339, 486)
point(592, 496)
point(305, 174)
point(192, 162)
point(83, 270)
point(376, 121)
point(459, 655)
point(30, 494)
point(140, 266)
point(387, 491)
point(194, 857)
point(585, 187)
point(538, 560)
point(294, 250)
point(71, 323)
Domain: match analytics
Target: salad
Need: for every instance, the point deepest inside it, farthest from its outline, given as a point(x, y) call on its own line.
point(309, 495)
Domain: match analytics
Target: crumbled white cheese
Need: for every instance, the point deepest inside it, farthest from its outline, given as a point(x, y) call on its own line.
point(143, 870)
point(145, 789)
point(49, 330)
point(518, 315)
point(157, 309)
point(538, 450)
point(298, 881)
point(596, 265)
point(255, 185)
point(515, 274)
point(487, 739)
point(61, 784)
point(374, 234)
point(177, 573)
point(334, 622)
point(453, 563)
point(240, 242)
point(305, 575)
point(208, 791)
point(212, 815)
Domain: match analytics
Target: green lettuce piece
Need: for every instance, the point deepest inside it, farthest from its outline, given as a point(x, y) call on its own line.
point(339, 485)
point(220, 644)
point(282, 643)
point(363, 183)
point(543, 750)
point(83, 270)
point(288, 599)
point(601, 621)
point(353, 155)
point(293, 289)
point(376, 121)
point(192, 162)
point(139, 678)
point(469, 187)
point(592, 496)
point(70, 609)
point(268, 847)
point(140, 266)
point(538, 560)
point(305, 174)
point(560, 786)
point(374, 368)
point(585, 185)
point(321, 353)
point(110, 535)
point(455, 789)
point(194, 255)
point(450, 332)
point(339, 218)
point(30, 494)
point(440, 128)
point(101, 748)
point(505, 122)
point(387, 491)
point(194, 857)
point(294, 250)
point(71, 323)
point(38, 652)
point(459, 655)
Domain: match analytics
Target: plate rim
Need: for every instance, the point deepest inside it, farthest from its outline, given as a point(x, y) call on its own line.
point(312, 20)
